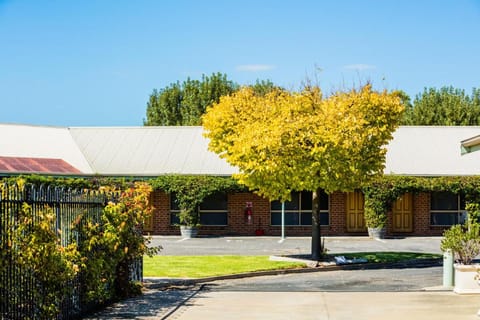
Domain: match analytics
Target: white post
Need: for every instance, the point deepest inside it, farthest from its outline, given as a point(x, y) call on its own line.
point(283, 222)
point(448, 275)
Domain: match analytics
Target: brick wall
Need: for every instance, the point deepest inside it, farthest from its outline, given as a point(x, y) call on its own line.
point(421, 217)
point(338, 215)
point(161, 215)
point(238, 224)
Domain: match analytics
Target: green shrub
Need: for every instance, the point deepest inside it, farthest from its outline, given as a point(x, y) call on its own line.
point(464, 240)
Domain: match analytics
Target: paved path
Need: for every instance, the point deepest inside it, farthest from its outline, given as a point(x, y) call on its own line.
point(329, 305)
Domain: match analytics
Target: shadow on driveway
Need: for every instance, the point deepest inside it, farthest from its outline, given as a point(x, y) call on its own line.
point(153, 304)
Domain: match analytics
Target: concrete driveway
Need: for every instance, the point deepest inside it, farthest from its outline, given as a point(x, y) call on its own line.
point(328, 305)
point(392, 294)
point(342, 295)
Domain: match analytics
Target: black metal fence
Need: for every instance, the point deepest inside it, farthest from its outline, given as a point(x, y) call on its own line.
point(17, 285)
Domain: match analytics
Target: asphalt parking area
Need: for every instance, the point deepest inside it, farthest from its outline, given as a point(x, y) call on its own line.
point(379, 280)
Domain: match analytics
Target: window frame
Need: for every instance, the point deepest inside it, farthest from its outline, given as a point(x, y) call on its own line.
point(204, 212)
point(299, 211)
point(459, 212)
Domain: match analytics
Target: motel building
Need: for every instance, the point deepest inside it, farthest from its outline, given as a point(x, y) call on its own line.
point(149, 152)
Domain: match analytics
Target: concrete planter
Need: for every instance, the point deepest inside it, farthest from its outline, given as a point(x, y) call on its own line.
point(376, 233)
point(188, 232)
point(465, 279)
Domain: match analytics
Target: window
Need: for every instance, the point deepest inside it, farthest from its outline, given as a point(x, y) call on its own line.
point(298, 211)
point(446, 209)
point(213, 210)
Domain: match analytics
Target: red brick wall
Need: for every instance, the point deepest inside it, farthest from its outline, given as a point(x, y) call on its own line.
point(238, 225)
point(338, 215)
point(161, 215)
point(421, 217)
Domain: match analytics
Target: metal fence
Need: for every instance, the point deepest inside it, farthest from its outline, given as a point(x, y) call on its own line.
point(16, 284)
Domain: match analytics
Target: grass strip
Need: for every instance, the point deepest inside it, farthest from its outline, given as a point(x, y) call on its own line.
point(388, 257)
point(209, 266)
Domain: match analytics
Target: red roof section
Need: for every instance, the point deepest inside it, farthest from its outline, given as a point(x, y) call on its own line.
point(36, 165)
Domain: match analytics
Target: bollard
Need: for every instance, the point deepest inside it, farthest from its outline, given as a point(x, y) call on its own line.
point(448, 280)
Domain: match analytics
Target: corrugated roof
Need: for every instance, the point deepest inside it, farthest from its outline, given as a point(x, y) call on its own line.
point(147, 151)
point(432, 151)
point(36, 165)
point(153, 151)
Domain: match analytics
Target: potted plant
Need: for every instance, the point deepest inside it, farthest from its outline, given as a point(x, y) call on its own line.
point(189, 220)
point(375, 218)
point(464, 243)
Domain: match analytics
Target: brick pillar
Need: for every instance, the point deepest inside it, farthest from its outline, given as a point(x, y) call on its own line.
point(421, 214)
point(338, 214)
point(161, 215)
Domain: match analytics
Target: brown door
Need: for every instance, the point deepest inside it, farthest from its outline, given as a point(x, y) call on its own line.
point(355, 209)
point(403, 213)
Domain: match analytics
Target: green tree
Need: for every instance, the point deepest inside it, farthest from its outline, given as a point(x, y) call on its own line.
point(447, 106)
point(284, 142)
point(163, 107)
point(184, 103)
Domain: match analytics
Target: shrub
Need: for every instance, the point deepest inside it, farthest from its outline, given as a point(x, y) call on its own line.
point(464, 240)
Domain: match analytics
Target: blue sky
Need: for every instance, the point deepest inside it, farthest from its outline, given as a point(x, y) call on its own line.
point(95, 63)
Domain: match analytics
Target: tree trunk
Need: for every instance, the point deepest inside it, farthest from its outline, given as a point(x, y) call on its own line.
point(316, 233)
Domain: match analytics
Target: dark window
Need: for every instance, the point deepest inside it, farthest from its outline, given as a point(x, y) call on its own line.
point(298, 211)
point(213, 210)
point(446, 208)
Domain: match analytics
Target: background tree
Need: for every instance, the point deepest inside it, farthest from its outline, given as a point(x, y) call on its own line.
point(284, 142)
point(184, 103)
point(448, 106)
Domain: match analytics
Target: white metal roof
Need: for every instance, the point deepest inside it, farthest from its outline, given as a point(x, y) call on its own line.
point(432, 151)
point(147, 151)
point(153, 151)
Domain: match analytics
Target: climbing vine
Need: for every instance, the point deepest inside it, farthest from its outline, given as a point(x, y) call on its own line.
point(190, 191)
point(381, 193)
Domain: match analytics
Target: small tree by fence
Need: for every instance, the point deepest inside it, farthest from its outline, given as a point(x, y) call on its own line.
point(61, 249)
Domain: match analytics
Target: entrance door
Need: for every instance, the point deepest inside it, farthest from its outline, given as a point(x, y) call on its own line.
point(355, 210)
point(403, 213)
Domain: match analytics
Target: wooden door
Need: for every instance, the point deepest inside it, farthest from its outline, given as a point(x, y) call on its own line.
point(403, 213)
point(355, 212)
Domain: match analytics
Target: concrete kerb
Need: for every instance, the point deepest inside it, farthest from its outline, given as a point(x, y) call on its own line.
point(166, 283)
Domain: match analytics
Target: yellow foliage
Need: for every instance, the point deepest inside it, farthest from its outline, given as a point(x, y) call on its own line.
point(302, 141)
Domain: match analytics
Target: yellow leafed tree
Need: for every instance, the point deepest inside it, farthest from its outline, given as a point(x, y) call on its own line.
point(283, 142)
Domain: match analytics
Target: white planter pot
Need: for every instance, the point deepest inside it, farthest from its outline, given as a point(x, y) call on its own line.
point(465, 279)
point(376, 233)
point(188, 232)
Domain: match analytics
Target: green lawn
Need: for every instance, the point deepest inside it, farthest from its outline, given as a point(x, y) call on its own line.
point(208, 266)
